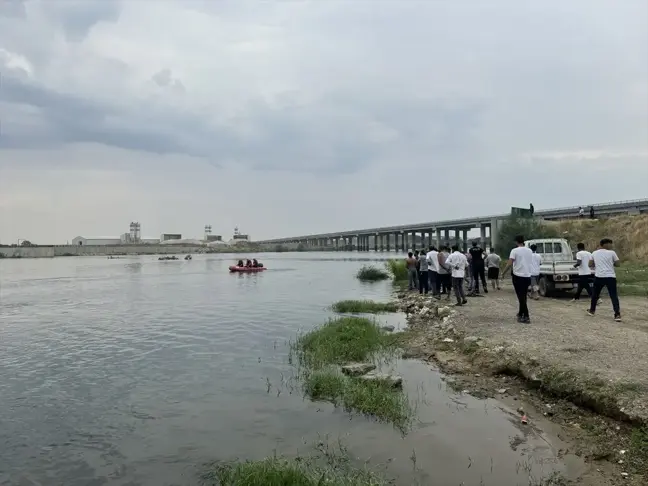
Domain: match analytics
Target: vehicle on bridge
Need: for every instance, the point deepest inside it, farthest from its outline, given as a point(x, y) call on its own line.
point(557, 272)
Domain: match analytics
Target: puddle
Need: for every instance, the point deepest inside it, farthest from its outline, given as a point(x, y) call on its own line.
point(456, 439)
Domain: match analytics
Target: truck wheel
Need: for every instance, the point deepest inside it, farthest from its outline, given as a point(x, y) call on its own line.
point(545, 287)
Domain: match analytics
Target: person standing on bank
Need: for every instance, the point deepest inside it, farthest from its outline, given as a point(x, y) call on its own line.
point(412, 273)
point(444, 285)
point(521, 262)
point(423, 279)
point(457, 263)
point(583, 258)
point(603, 261)
point(477, 268)
point(493, 262)
point(433, 270)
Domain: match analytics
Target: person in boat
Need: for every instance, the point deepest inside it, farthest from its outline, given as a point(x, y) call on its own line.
point(240, 263)
point(248, 263)
point(255, 263)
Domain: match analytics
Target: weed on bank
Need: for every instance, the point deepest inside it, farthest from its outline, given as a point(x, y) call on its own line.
point(345, 340)
point(363, 307)
point(369, 273)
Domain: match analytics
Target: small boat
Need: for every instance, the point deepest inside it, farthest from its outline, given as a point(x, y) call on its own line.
point(235, 268)
point(165, 258)
point(188, 257)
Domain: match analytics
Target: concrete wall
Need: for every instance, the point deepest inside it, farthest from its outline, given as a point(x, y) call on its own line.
point(102, 250)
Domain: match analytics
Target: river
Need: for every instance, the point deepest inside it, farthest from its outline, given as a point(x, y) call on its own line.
point(136, 372)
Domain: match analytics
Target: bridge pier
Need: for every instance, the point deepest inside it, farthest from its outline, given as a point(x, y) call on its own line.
point(494, 232)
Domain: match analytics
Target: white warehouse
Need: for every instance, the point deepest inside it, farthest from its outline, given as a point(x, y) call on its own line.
point(81, 241)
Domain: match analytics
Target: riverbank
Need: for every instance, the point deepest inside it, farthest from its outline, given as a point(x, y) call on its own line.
point(590, 375)
point(17, 252)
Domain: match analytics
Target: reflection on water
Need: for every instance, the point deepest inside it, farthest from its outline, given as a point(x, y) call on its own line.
point(137, 372)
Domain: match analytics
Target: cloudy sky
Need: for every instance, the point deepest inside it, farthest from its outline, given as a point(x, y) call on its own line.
point(294, 117)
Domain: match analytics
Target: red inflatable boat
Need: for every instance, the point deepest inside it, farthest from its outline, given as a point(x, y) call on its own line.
point(234, 268)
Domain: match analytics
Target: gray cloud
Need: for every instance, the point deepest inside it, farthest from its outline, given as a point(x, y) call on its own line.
point(78, 17)
point(327, 98)
point(13, 8)
point(323, 137)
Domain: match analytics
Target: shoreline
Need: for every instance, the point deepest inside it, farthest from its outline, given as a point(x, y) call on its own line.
point(601, 418)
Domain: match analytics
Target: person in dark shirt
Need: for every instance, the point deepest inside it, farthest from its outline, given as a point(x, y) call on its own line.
point(478, 268)
point(531, 209)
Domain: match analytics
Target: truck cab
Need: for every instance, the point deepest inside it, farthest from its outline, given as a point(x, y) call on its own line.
point(557, 272)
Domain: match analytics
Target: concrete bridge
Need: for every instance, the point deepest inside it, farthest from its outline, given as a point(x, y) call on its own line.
point(411, 236)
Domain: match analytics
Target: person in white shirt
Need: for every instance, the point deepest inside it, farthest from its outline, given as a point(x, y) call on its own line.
point(521, 262)
point(583, 258)
point(493, 262)
point(445, 277)
point(432, 258)
point(457, 264)
point(603, 261)
point(535, 272)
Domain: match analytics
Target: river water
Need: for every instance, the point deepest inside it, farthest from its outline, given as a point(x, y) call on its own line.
point(138, 372)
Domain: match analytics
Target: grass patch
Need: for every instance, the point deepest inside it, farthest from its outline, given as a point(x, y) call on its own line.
point(397, 269)
point(300, 471)
point(632, 279)
point(639, 447)
point(339, 341)
point(346, 340)
point(364, 307)
point(369, 273)
point(374, 399)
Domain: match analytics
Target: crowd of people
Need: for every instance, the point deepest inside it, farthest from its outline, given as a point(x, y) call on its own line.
point(442, 270)
point(446, 269)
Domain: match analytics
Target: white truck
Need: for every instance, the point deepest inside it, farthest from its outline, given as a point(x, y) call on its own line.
point(557, 272)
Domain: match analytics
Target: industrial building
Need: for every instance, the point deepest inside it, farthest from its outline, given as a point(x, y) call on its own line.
point(170, 236)
point(239, 237)
point(82, 241)
point(133, 237)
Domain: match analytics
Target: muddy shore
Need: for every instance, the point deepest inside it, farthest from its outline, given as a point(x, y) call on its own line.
point(587, 375)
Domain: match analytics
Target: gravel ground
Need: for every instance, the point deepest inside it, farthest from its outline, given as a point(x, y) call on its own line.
point(563, 335)
point(562, 332)
point(564, 350)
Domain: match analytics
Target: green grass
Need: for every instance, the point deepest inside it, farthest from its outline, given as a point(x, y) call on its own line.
point(632, 279)
point(276, 471)
point(369, 273)
point(374, 399)
point(364, 307)
point(397, 269)
point(339, 341)
point(346, 340)
point(639, 447)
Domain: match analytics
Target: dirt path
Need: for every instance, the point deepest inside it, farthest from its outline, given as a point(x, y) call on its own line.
point(562, 333)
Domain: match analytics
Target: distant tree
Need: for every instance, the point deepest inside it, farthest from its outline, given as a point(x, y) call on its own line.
point(26, 243)
point(530, 228)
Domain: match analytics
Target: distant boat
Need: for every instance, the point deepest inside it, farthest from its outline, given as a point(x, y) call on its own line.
point(164, 258)
point(188, 257)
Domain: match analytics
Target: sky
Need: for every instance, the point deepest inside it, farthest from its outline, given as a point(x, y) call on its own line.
point(296, 117)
